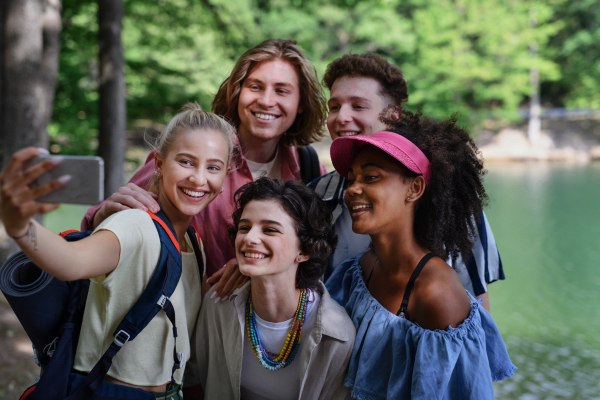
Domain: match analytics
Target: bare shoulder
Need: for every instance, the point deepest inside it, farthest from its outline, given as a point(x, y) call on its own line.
point(440, 299)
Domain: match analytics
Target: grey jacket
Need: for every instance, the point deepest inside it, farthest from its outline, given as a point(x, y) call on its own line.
point(218, 347)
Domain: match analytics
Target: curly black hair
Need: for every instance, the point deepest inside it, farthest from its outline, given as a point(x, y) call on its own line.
point(311, 215)
point(452, 203)
point(370, 65)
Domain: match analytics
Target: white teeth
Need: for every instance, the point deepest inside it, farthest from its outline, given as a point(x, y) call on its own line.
point(254, 255)
point(265, 116)
point(342, 134)
point(354, 208)
point(192, 193)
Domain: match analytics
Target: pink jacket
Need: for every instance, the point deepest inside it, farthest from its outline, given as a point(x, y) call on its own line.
point(212, 223)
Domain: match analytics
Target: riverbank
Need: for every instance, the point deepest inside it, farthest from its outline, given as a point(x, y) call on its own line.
point(568, 140)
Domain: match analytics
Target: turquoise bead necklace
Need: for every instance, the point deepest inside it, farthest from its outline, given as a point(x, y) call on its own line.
point(292, 341)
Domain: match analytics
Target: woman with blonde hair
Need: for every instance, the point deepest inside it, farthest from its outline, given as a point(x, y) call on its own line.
point(274, 100)
point(191, 161)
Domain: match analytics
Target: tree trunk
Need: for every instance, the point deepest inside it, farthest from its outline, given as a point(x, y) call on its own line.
point(51, 27)
point(112, 106)
point(22, 90)
point(2, 25)
point(535, 124)
point(29, 50)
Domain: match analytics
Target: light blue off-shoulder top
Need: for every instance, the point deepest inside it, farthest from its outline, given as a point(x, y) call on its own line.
point(394, 358)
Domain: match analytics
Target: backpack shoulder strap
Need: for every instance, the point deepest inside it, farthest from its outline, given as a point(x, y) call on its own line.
point(195, 239)
point(154, 298)
point(56, 368)
point(309, 163)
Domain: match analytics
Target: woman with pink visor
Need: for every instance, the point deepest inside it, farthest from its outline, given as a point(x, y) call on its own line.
point(420, 335)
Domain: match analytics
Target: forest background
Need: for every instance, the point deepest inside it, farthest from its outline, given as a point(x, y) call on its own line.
point(470, 56)
point(476, 57)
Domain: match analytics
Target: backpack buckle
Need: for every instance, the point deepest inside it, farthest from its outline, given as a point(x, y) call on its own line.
point(35, 356)
point(162, 301)
point(180, 359)
point(121, 338)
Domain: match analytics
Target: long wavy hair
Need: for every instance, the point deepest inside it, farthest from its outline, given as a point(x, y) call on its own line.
point(308, 127)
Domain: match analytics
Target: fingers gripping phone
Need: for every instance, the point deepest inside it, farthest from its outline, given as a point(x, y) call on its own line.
point(87, 180)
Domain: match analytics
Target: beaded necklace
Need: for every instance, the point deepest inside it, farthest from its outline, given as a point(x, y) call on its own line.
point(274, 362)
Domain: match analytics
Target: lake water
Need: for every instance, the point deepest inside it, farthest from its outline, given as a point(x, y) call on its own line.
point(546, 221)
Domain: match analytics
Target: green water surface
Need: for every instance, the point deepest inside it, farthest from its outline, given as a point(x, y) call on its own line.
point(546, 221)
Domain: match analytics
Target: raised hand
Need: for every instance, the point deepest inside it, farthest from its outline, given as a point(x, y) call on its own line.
point(228, 279)
point(17, 199)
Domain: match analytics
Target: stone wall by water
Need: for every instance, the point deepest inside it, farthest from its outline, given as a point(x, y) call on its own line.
point(567, 139)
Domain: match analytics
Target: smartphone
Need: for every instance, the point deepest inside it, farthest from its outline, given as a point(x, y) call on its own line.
point(87, 180)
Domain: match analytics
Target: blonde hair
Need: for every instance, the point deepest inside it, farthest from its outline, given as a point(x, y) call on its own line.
point(308, 127)
point(190, 118)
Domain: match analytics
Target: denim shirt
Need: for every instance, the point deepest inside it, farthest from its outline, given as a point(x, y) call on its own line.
point(483, 265)
point(394, 358)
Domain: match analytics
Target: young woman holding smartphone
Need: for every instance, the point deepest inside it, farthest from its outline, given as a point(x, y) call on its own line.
point(192, 159)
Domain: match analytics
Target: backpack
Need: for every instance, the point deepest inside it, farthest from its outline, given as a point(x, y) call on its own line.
point(59, 381)
point(309, 164)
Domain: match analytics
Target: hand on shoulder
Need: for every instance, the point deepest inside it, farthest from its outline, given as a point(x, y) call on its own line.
point(127, 197)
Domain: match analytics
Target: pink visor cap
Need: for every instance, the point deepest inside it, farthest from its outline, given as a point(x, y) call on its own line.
point(344, 149)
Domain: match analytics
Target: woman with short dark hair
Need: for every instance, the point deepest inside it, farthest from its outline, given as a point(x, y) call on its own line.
point(280, 336)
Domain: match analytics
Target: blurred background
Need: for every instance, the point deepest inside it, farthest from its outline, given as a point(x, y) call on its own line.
point(524, 76)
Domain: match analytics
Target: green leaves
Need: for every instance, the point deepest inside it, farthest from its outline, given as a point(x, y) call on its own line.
point(471, 56)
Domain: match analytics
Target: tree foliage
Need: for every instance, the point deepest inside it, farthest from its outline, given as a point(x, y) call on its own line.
point(471, 56)
point(576, 49)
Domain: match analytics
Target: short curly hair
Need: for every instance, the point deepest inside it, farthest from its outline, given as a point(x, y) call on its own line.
point(370, 65)
point(308, 127)
point(311, 216)
point(452, 203)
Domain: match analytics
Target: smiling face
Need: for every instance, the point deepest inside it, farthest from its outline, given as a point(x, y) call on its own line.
point(377, 192)
point(268, 102)
point(193, 170)
point(354, 107)
point(266, 243)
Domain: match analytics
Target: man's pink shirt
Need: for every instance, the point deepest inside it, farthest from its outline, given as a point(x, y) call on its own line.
point(212, 223)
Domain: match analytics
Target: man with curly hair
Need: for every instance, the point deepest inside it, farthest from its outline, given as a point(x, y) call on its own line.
point(364, 88)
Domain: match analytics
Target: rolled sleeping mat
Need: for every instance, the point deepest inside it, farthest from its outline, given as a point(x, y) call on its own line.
point(37, 298)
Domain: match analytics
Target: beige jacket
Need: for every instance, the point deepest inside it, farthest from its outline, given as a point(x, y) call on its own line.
point(325, 353)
